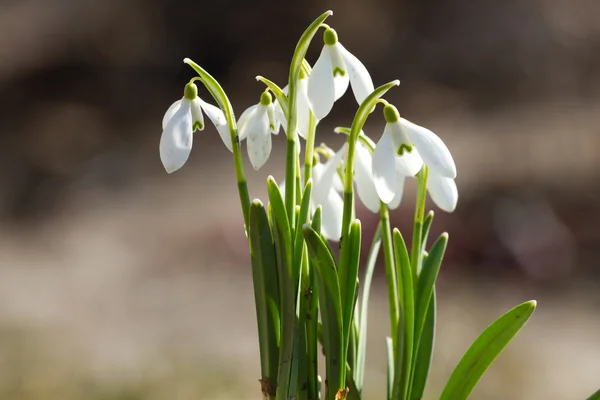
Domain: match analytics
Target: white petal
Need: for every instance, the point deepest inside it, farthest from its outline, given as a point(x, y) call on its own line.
point(363, 177)
point(338, 185)
point(362, 84)
point(218, 119)
point(274, 123)
point(279, 115)
point(259, 137)
point(303, 108)
point(392, 205)
point(432, 149)
point(331, 217)
point(321, 88)
point(443, 191)
point(340, 71)
point(409, 164)
point(384, 167)
point(330, 169)
point(170, 111)
point(197, 114)
point(243, 120)
point(176, 140)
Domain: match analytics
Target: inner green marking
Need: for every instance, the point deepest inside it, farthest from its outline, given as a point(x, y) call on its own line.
point(404, 148)
point(338, 71)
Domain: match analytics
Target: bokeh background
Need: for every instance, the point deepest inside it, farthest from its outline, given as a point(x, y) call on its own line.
point(120, 282)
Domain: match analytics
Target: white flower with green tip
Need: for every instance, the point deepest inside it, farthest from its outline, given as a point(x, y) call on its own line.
point(401, 152)
point(335, 68)
point(302, 107)
point(256, 124)
point(181, 120)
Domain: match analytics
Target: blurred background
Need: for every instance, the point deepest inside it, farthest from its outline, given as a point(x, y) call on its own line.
point(120, 282)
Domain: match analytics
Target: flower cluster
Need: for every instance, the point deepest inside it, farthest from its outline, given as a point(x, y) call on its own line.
point(379, 174)
point(295, 273)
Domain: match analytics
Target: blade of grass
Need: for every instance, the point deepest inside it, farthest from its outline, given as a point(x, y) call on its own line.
point(407, 317)
point(264, 276)
point(287, 285)
point(331, 309)
point(484, 351)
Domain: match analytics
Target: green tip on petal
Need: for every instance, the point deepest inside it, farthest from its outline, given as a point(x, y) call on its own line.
point(330, 37)
point(391, 114)
point(404, 148)
point(265, 98)
point(191, 91)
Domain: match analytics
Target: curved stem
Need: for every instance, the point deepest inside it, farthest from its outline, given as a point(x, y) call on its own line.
point(310, 147)
point(220, 97)
point(416, 251)
point(390, 271)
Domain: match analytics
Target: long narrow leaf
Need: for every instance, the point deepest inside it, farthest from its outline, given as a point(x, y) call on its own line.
point(348, 288)
point(424, 353)
point(331, 309)
point(406, 327)
point(427, 278)
point(264, 276)
point(484, 351)
point(287, 286)
point(595, 396)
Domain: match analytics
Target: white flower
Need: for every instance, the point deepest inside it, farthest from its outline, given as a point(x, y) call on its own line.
point(401, 152)
point(302, 108)
point(325, 179)
point(179, 123)
point(256, 124)
point(327, 186)
point(329, 78)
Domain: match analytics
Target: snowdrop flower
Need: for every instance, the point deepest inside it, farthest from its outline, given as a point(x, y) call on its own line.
point(302, 107)
point(179, 123)
point(401, 152)
point(327, 186)
point(334, 69)
point(256, 124)
point(325, 180)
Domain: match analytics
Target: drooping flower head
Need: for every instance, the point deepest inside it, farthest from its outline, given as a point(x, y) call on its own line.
point(256, 124)
point(329, 78)
point(181, 120)
point(401, 152)
point(302, 107)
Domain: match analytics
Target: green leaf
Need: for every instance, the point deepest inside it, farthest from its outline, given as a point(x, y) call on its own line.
point(302, 219)
point(595, 396)
point(359, 372)
point(424, 354)
point(331, 309)
point(292, 118)
point(426, 227)
point(287, 285)
point(427, 278)
point(406, 328)
point(266, 292)
point(484, 351)
point(348, 287)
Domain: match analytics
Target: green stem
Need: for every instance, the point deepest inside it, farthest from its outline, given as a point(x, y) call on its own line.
point(416, 251)
point(310, 147)
point(220, 97)
point(390, 272)
point(292, 117)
